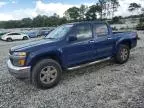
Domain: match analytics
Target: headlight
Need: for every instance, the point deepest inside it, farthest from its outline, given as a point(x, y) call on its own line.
point(19, 58)
point(19, 54)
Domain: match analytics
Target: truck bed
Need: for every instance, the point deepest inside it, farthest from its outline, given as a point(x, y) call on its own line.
point(125, 34)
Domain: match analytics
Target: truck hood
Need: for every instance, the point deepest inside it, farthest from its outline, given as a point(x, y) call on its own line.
point(32, 44)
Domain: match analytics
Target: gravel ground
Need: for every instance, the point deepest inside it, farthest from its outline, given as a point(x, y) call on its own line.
point(103, 85)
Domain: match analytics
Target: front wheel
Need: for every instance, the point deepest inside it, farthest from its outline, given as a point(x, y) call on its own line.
point(122, 54)
point(25, 38)
point(9, 40)
point(46, 73)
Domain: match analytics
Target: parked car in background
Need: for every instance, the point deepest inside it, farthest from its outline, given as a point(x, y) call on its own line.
point(38, 33)
point(45, 32)
point(1, 34)
point(32, 34)
point(14, 36)
point(69, 46)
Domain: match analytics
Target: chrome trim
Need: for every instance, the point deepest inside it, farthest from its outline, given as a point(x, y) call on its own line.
point(88, 64)
point(19, 72)
point(16, 57)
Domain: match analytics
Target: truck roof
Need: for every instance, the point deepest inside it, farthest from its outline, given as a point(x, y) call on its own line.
point(84, 22)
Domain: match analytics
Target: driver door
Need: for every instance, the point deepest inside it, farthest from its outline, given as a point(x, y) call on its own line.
point(81, 49)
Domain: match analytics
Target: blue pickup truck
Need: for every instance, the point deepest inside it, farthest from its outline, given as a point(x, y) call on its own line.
point(69, 46)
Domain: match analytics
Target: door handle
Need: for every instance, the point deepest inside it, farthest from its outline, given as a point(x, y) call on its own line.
point(91, 41)
point(109, 38)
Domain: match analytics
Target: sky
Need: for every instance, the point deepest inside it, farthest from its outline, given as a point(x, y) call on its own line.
point(18, 9)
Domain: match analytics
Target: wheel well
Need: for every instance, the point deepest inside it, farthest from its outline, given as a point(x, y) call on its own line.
point(8, 38)
point(25, 36)
point(44, 56)
point(126, 42)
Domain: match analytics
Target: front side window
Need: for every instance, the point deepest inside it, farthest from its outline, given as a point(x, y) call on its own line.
point(59, 32)
point(100, 30)
point(84, 32)
point(10, 34)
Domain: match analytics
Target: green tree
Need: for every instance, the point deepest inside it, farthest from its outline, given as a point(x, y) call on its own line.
point(82, 11)
point(62, 20)
point(38, 21)
point(102, 5)
point(12, 24)
point(133, 7)
point(73, 14)
point(108, 8)
point(93, 12)
point(116, 20)
point(114, 6)
point(26, 22)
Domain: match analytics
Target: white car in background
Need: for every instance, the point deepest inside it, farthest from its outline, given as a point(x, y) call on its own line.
point(14, 36)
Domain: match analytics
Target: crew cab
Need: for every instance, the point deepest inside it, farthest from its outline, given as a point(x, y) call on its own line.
point(14, 36)
point(69, 46)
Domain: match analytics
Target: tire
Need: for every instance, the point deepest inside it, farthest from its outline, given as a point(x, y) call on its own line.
point(9, 40)
point(46, 74)
point(122, 54)
point(25, 38)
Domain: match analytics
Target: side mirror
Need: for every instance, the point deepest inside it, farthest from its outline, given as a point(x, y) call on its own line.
point(72, 38)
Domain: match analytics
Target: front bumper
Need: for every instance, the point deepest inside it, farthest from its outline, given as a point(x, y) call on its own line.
point(18, 72)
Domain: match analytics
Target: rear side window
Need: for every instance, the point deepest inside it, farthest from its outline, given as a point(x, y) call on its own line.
point(14, 34)
point(100, 30)
point(84, 32)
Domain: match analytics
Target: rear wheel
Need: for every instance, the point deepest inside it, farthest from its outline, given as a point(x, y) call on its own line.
point(9, 39)
point(46, 73)
point(122, 54)
point(25, 38)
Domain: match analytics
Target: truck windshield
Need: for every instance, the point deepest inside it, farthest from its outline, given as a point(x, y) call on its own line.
point(59, 32)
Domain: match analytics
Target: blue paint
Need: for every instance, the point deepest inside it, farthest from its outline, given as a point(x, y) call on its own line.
point(76, 52)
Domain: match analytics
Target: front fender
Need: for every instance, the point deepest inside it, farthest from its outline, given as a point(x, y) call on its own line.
point(35, 56)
